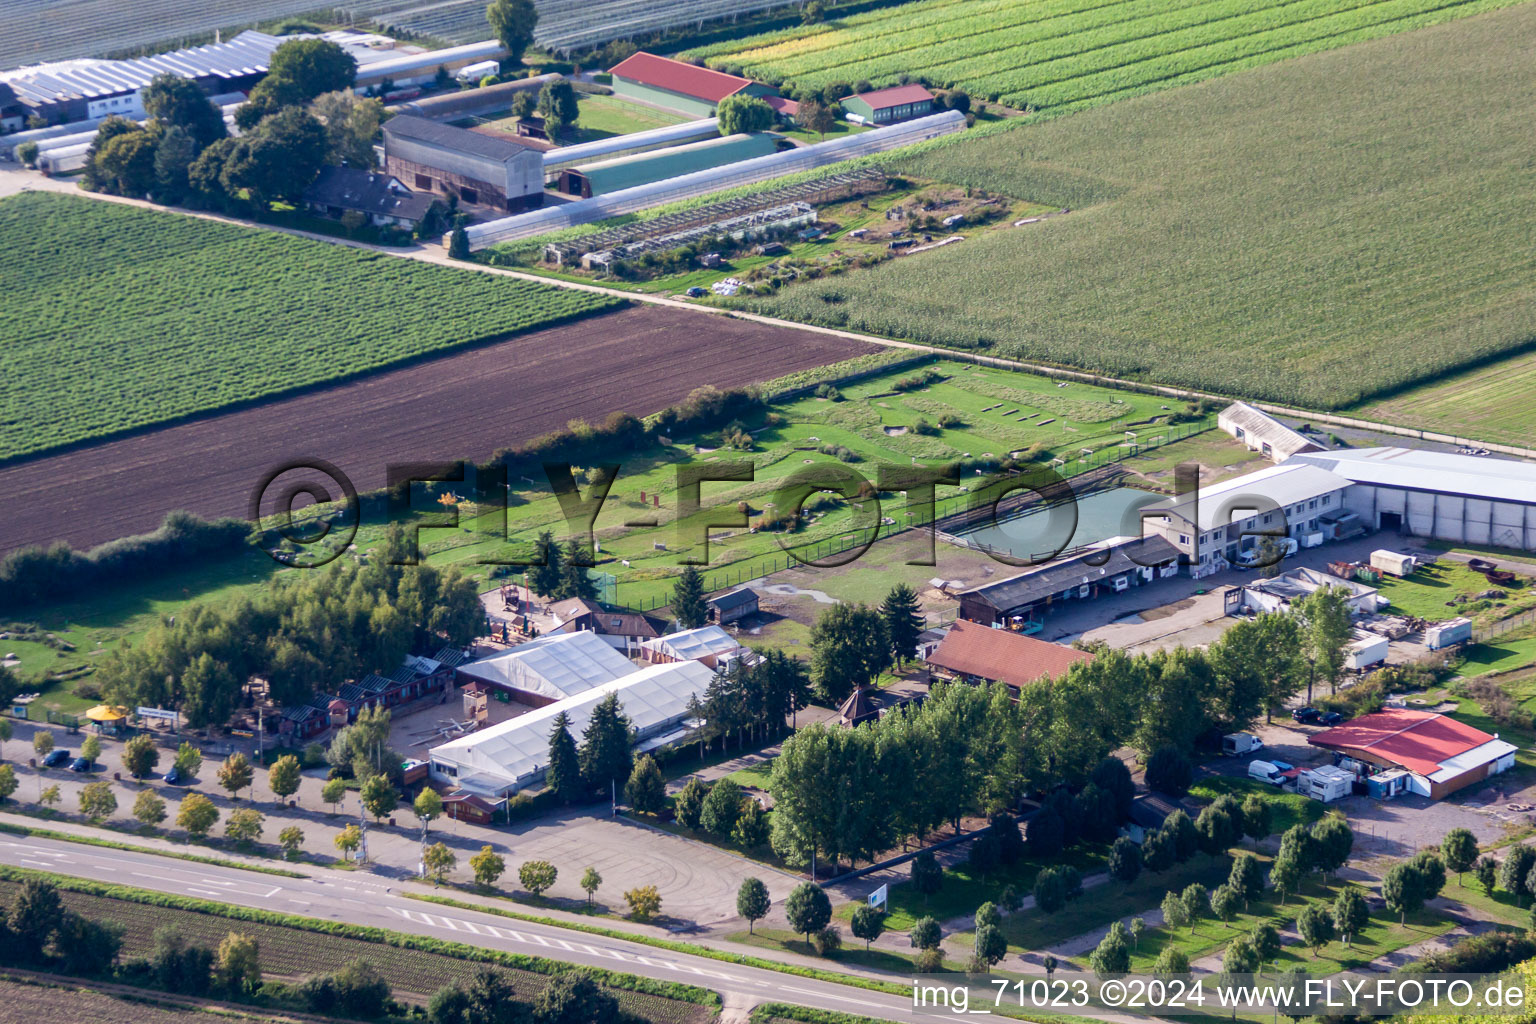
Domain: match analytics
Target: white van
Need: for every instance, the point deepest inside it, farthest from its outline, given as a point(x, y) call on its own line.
point(1266, 771)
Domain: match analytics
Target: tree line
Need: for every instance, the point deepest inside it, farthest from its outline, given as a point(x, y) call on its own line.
point(302, 116)
point(308, 632)
point(847, 793)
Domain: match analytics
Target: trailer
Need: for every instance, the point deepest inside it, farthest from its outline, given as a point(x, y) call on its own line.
point(1325, 783)
point(1393, 563)
point(1366, 650)
point(1447, 634)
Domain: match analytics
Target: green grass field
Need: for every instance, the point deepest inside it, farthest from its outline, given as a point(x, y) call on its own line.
point(1488, 403)
point(603, 117)
point(1084, 416)
point(1059, 55)
point(121, 318)
point(1292, 233)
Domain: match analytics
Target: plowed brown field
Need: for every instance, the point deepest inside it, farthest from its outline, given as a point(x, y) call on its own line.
point(465, 405)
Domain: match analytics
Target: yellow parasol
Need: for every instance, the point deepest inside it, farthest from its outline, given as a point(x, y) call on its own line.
point(106, 713)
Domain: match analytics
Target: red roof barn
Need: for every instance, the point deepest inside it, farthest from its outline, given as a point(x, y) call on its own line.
point(1440, 754)
point(973, 651)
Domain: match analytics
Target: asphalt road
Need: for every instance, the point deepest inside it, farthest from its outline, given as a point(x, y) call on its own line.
point(360, 899)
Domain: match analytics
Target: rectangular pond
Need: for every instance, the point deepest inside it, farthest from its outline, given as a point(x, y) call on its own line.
point(1036, 531)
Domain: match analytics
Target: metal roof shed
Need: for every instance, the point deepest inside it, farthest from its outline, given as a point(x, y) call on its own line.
point(552, 667)
point(605, 176)
point(514, 754)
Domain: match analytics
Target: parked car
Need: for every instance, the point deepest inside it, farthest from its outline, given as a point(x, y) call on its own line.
point(1284, 766)
point(1250, 558)
point(80, 764)
point(696, 292)
point(1307, 716)
point(173, 776)
point(1331, 718)
point(56, 757)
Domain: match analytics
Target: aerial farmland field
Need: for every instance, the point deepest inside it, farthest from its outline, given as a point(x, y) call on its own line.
point(1316, 252)
point(1060, 55)
point(120, 318)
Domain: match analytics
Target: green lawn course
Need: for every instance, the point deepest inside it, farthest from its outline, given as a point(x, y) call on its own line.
point(1296, 250)
point(121, 318)
point(88, 627)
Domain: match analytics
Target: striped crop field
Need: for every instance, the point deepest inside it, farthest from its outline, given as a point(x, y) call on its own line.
point(1059, 55)
point(1324, 232)
point(120, 318)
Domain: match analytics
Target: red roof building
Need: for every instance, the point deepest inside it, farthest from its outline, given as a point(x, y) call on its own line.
point(677, 85)
point(1439, 755)
point(972, 651)
point(887, 106)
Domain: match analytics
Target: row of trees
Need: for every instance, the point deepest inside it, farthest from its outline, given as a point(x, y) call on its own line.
point(308, 632)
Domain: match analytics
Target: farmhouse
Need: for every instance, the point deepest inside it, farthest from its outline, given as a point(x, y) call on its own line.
point(971, 653)
point(1465, 499)
point(549, 668)
point(1263, 433)
point(623, 631)
point(611, 175)
point(676, 85)
point(887, 106)
point(1278, 593)
point(503, 171)
point(507, 757)
point(708, 644)
point(1018, 601)
point(1420, 752)
point(737, 604)
point(379, 197)
point(1210, 527)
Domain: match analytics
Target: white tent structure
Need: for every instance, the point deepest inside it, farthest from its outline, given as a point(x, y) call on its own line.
point(701, 644)
point(552, 668)
point(498, 761)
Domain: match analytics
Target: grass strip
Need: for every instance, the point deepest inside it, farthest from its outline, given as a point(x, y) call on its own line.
point(112, 844)
point(677, 947)
point(364, 933)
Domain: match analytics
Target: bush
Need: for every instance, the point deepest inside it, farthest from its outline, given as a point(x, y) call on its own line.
point(27, 153)
point(827, 941)
point(928, 961)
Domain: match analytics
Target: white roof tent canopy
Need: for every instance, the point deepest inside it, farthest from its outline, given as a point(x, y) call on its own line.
point(694, 643)
point(517, 751)
point(556, 666)
point(1239, 498)
point(1418, 470)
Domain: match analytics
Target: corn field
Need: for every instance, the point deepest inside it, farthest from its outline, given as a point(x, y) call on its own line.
point(1242, 246)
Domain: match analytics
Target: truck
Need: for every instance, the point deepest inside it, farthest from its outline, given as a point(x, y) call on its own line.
point(1441, 635)
point(477, 71)
point(1236, 744)
point(1393, 563)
